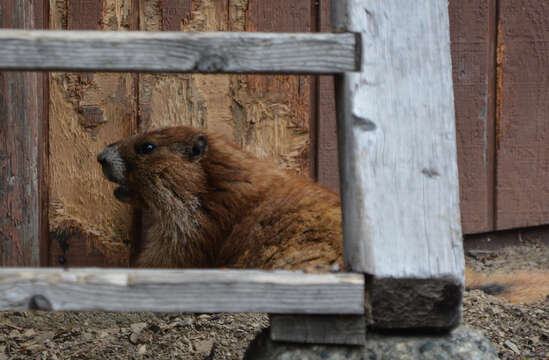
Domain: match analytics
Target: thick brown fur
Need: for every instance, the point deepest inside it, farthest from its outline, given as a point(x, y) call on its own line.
point(222, 207)
point(225, 208)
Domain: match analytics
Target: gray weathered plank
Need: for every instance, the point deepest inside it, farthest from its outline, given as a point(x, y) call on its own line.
point(229, 52)
point(319, 329)
point(398, 160)
point(181, 290)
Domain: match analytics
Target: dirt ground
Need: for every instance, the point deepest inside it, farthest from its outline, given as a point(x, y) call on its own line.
point(517, 331)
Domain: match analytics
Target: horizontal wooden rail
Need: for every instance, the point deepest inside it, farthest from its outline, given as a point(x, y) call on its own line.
point(181, 291)
point(215, 52)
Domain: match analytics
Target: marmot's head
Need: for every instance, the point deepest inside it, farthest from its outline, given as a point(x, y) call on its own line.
point(159, 167)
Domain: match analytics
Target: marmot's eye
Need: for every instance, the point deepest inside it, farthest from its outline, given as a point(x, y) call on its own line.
point(145, 148)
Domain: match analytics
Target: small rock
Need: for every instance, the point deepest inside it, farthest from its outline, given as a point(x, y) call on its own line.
point(204, 347)
point(29, 333)
point(478, 254)
point(142, 350)
point(512, 346)
point(204, 317)
point(335, 267)
point(138, 327)
point(134, 338)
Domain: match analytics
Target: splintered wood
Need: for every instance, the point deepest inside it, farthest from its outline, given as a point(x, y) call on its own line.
point(87, 112)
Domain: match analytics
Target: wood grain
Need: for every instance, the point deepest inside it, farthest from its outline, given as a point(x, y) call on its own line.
point(177, 52)
point(273, 113)
point(88, 226)
point(523, 106)
point(400, 191)
point(23, 148)
point(473, 29)
point(318, 329)
point(326, 150)
point(181, 290)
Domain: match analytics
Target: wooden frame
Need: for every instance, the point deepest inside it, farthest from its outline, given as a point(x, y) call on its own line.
point(400, 190)
point(399, 176)
point(181, 291)
point(217, 52)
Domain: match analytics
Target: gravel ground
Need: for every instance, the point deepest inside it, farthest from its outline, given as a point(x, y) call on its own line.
point(518, 331)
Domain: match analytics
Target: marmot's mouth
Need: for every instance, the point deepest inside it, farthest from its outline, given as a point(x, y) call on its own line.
point(123, 193)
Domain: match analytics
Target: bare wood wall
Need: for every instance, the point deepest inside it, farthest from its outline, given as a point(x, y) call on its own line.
point(522, 128)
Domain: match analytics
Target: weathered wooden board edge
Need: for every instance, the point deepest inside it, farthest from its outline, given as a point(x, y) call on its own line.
point(203, 52)
point(398, 163)
point(403, 304)
point(398, 156)
point(126, 290)
point(319, 329)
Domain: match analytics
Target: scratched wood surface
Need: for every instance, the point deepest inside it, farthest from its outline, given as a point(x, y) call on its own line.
point(522, 195)
point(472, 24)
point(23, 144)
point(88, 227)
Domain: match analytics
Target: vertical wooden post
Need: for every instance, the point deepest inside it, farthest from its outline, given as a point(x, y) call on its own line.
point(23, 149)
point(399, 175)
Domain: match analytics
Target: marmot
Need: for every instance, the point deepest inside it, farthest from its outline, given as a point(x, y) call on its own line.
point(214, 205)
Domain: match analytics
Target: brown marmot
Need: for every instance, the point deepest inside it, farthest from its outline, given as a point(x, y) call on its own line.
point(214, 205)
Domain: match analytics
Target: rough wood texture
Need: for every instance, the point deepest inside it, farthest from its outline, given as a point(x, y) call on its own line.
point(315, 329)
point(522, 116)
point(23, 164)
point(88, 227)
point(398, 161)
point(188, 291)
point(327, 169)
point(473, 29)
point(177, 52)
point(410, 303)
point(273, 113)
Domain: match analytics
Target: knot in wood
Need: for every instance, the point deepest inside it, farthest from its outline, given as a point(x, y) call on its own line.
point(39, 302)
point(211, 63)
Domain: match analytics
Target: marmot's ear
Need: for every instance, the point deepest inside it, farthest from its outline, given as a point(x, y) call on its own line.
point(199, 147)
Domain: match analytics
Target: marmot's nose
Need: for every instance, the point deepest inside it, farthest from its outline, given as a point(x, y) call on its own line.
point(102, 156)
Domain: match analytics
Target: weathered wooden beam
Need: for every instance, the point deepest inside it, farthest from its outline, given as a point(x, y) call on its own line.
point(181, 290)
point(398, 162)
point(215, 52)
point(319, 329)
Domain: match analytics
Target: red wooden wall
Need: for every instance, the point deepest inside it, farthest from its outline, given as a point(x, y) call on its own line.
point(500, 52)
